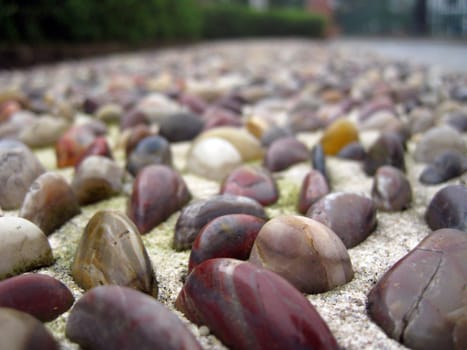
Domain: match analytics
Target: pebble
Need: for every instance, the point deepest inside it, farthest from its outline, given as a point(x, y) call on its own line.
point(39, 295)
point(273, 134)
point(437, 141)
point(386, 150)
point(352, 151)
point(19, 167)
point(421, 300)
point(314, 186)
point(50, 202)
point(227, 236)
point(251, 181)
point(215, 117)
point(111, 251)
point(338, 135)
point(391, 190)
point(150, 150)
point(72, 145)
point(109, 113)
point(285, 152)
point(131, 137)
point(445, 167)
point(99, 147)
point(115, 317)
point(351, 216)
point(22, 331)
point(97, 178)
point(23, 247)
point(448, 208)
point(180, 127)
point(318, 161)
point(303, 251)
point(158, 192)
point(234, 298)
point(44, 131)
point(198, 213)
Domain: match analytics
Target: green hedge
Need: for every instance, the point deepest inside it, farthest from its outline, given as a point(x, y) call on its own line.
point(237, 21)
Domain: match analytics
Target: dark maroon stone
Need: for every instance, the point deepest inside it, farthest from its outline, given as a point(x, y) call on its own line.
point(251, 181)
point(353, 151)
point(41, 296)
point(180, 127)
point(198, 213)
point(217, 116)
point(115, 317)
point(151, 150)
point(248, 307)
point(314, 186)
point(228, 236)
point(351, 216)
point(448, 208)
point(420, 301)
point(158, 192)
point(72, 145)
point(391, 189)
point(99, 147)
point(445, 167)
point(285, 152)
point(387, 150)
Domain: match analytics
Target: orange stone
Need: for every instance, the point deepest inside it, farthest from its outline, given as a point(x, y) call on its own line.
point(338, 135)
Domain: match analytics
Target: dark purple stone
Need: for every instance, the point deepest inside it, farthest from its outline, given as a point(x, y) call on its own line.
point(420, 301)
point(314, 186)
point(318, 160)
point(115, 317)
point(284, 153)
point(353, 151)
point(387, 150)
point(391, 189)
point(228, 236)
point(158, 192)
point(150, 150)
point(251, 181)
point(448, 208)
point(180, 127)
point(248, 307)
point(41, 296)
point(445, 167)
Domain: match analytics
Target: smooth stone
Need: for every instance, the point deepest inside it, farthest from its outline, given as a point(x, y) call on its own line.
point(99, 147)
point(50, 202)
point(20, 331)
point(44, 131)
point(180, 127)
point(353, 151)
point(23, 247)
point(109, 113)
point(274, 133)
point(338, 135)
point(216, 117)
point(383, 120)
point(157, 106)
point(115, 317)
point(39, 295)
point(158, 192)
point(448, 208)
point(150, 150)
point(285, 152)
point(213, 158)
point(195, 103)
point(97, 178)
point(421, 120)
point(19, 167)
point(314, 186)
point(248, 307)
point(445, 167)
point(227, 236)
point(198, 213)
point(133, 118)
point(246, 144)
point(251, 181)
point(437, 141)
point(386, 150)
point(318, 161)
point(133, 136)
point(457, 121)
point(417, 300)
point(111, 252)
point(305, 252)
point(72, 145)
point(351, 216)
point(12, 127)
point(391, 190)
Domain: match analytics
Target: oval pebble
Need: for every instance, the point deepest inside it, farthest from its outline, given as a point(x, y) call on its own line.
point(448, 208)
point(391, 190)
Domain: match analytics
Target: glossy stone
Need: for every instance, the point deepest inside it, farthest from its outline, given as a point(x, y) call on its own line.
point(44, 131)
point(305, 252)
point(24, 247)
point(99, 147)
point(351, 216)
point(97, 178)
point(285, 152)
point(318, 161)
point(198, 213)
point(111, 252)
point(313, 187)
point(391, 190)
point(149, 151)
point(19, 167)
point(227, 236)
point(337, 135)
point(158, 192)
point(72, 145)
point(251, 181)
point(21, 331)
point(180, 127)
point(386, 150)
point(219, 117)
point(448, 208)
point(133, 136)
point(445, 167)
point(115, 317)
point(248, 307)
point(50, 202)
point(417, 300)
point(39, 295)
point(353, 151)
point(437, 141)
point(133, 118)
point(274, 133)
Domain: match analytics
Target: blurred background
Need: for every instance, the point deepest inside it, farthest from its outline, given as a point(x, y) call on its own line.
point(40, 30)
